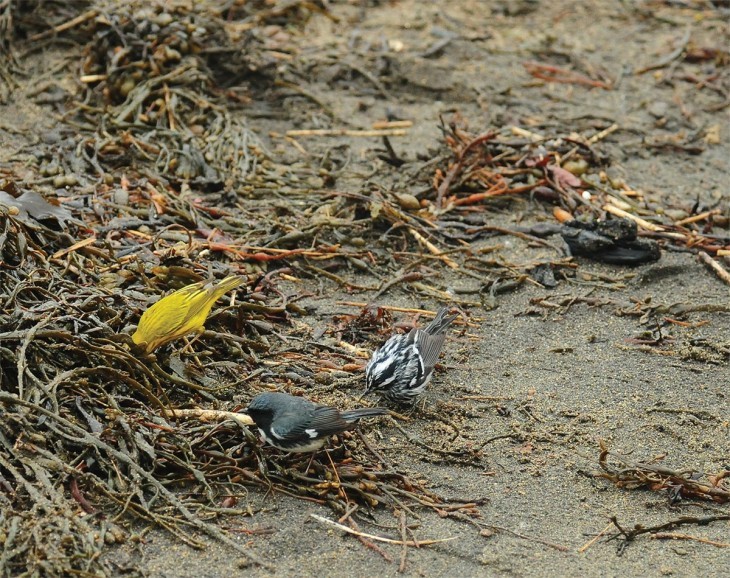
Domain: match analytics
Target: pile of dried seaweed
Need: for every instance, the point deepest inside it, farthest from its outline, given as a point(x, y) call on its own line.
point(156, 95)
point(568, 172)
point(87, 441)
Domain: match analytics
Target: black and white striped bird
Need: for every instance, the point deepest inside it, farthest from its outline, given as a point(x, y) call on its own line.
point(400, 370)
point(295, 424)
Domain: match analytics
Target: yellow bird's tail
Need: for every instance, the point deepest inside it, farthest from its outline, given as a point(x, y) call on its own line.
point(204, 294)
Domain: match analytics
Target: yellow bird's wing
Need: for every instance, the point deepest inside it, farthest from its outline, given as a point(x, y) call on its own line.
point(181, 312)
point(164, 319)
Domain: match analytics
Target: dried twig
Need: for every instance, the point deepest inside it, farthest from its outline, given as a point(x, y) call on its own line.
point(716, 268)
point(676, 536)
point(657, 477)
point(433, 249)
point(403, 537)
point(80, 19)
point(673, 55)
point(390, 308)
point(347, 132)
point(614, 210)
point(552, 73)
point(595, 539)
point(640, 529)
point(209, 415)
point(547, 543)
point(365, 541)
point(324, 520)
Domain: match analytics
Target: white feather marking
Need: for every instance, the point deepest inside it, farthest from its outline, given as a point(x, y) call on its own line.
point(387, 382)
point(380, 368)
point(266, 438)
point(312, 446)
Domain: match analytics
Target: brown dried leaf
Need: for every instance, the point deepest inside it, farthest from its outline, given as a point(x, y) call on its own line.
point(31, 204)
point(564, 178)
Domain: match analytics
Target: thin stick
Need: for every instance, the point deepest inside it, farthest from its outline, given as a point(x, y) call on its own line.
point(403, 537)
point(698, 217)
point(717, 269)
point(373, 451)
point(88, 78)
point(483, 397)
point(346, 132)
point(423, 288)
point(382, 124)
point(424, 445)
point(673, 55)
point(603, 134)
point(433, 249)
point(408, 277)
point(65, 26)
point(209, 415)
point(675, 536)
point(368, 543)
point(77, 245)
point(595, 539)
point(558, 547)
point(638, 220)
point(340, 489)
point(533, 136)
point(389, 308)
point(349, 512)
point(550, 73)
point(324, 520)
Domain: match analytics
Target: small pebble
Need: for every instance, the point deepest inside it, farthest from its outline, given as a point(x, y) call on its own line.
point(658, 109)
point(408, 202)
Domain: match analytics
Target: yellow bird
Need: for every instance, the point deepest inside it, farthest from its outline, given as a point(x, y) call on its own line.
point(181, 312)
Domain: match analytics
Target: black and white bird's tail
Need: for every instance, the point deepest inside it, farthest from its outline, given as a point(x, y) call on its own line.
point(441, 322)
point(353, 415)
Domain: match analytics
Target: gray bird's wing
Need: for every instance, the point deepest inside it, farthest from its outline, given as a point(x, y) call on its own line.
point(323, 421)
point(429, 346)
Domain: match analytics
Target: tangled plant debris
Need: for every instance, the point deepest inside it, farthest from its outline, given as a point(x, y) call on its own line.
point(679, 484)
point(154, 181)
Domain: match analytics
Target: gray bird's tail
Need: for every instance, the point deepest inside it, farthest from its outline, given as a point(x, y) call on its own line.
point(441, 322)
point(353, 415)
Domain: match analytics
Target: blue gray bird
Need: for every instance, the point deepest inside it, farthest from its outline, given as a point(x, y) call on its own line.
point(400, 370)
point(295, 424)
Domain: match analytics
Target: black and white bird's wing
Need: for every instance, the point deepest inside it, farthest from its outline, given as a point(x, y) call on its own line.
point(429, 346)
point(387, 363)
